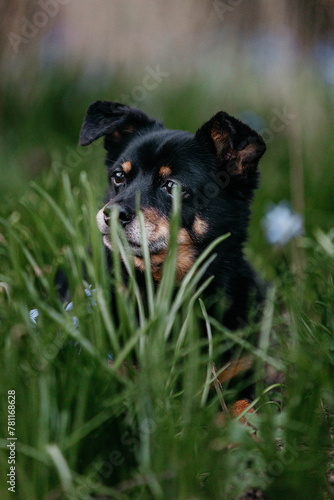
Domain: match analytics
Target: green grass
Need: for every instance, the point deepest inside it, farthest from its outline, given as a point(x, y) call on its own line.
point(86, 428)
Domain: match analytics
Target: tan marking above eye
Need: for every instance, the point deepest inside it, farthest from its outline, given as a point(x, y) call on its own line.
point(126, 166)
point(200, 226)
point(165, 171)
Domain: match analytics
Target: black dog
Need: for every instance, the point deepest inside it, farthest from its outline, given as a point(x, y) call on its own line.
point(216, 169)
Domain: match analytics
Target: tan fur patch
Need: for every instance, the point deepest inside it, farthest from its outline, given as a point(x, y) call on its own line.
point(139, 263)
point(156, 264)
point(128, 130)
point(183, 237)
point(156, 261)
point(156, 273)
point(220, 138)
point(185, 259)
point(165, 171)
point(159, 224)
point(186, 254)
point(126, 166)
point(158, 258)
point(115, 136)
point(158, 228)
point(200, 226)
point(243, 155)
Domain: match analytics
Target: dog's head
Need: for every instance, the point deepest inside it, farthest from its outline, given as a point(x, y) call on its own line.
point(216, 169)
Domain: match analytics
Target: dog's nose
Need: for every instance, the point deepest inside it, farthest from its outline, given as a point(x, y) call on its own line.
point(126, 215)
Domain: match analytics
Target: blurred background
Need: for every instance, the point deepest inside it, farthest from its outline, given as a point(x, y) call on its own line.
point(269, 63)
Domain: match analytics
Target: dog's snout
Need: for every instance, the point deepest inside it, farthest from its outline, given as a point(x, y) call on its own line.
point(125, 214)
point(107, 214)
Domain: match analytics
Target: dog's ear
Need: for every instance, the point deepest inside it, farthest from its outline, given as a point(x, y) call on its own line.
point(112, 119)
point(237, 147)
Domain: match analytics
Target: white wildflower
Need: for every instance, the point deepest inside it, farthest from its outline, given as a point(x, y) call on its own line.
point(34, 315)
point(281, 224)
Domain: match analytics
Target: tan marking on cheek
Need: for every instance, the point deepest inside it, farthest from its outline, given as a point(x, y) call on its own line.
point(158, 259)
point(162, 231)
point(151, 216)
point(139, 263)
point(165, 171)
point(183, 237)
point(159, 227)
point(200, 227)
point(185, 259)
point(156, 224)
point(126, 166)
point(156, 264)
point(186, 254)
point(156, 273)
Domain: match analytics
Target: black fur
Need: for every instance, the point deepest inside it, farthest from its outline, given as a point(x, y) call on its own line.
point(217, 168)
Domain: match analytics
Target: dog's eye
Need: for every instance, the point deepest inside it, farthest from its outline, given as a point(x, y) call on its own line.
point(118, 177)
point(170, 185)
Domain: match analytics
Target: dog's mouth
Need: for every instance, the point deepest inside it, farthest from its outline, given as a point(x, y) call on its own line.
point(157, 235)
point(156, 247)
point(157, 232)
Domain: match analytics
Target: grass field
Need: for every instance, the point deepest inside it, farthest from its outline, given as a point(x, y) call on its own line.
point(85, 428)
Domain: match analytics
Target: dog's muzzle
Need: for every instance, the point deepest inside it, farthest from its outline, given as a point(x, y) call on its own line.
point(125, 214)
point(158, 238)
